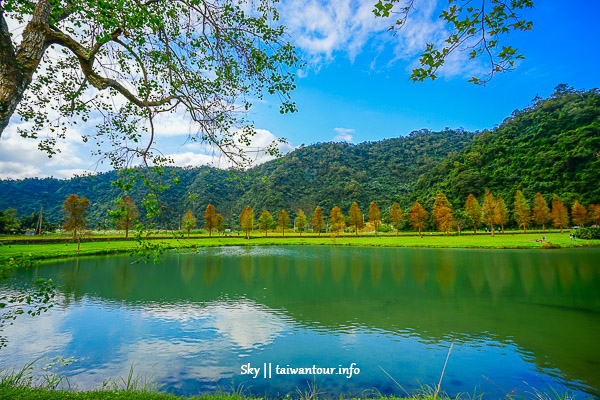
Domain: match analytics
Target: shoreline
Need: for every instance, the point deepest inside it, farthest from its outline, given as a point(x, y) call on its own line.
point(67, 249)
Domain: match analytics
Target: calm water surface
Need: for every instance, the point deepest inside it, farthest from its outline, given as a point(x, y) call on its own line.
point(517, 320)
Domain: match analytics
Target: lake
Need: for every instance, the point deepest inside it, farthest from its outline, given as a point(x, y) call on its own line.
point(197, 322)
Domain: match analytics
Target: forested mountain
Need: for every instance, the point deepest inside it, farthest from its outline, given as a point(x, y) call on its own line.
point(551, 147)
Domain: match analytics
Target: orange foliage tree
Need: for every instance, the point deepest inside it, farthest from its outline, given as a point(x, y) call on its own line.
point(209, 218)
point(374, 216)
point(317, 220)
point(541, 211)
point(473, 209)
point(355, 218)
point(418, 217)
point(559, 214)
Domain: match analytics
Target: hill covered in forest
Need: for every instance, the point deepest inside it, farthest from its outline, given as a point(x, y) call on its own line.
point(551, 147)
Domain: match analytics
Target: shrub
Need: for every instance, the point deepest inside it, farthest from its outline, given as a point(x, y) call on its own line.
point(587, 233)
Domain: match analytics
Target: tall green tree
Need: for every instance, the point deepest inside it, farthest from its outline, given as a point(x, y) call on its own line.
point(461, 220)
point(300, 221)
point(489, 210)
point(522, 212)
point(317, 220)
point(265, 221)
point(559, 214)
point(126, 215)
point(219, 223)
point(9, 223)
point(396, 217)
point(474, 210)
point(75, 213)
point(189, 222)
point(209, 218)
point(355, 218)
point(579, 214)
point(337, 221)
point(374, 216)
point(541, 211)
point(247, 221)
point(283, 220)
point(418, 217)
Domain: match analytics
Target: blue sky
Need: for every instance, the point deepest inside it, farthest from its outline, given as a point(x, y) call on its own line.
point(379, 103)
point(355, 86)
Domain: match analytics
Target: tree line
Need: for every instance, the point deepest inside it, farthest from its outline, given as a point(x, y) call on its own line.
point(491, 213)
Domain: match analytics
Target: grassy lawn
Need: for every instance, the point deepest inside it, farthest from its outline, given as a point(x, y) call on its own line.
point(499, 241)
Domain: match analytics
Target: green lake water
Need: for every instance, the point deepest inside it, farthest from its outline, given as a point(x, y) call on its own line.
point(517, 320)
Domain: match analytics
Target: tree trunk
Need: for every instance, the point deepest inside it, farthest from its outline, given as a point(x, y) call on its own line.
point(17, 66)
point(474, 228)
point(492, 229)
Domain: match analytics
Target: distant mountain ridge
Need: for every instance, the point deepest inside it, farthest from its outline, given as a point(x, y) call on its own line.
point(551, 147)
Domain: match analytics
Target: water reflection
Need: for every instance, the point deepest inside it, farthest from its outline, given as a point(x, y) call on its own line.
point(513, 315)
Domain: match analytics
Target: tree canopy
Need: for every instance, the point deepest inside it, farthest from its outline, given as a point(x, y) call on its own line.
point(474, 26)
point(129, 61)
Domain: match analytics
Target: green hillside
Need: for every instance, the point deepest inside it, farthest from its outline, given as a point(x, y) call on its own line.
point(551, 147)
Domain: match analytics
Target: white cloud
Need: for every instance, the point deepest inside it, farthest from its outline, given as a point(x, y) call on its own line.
point(200, 153)
point(343, 135)
point(21, 157)
point(324, 29)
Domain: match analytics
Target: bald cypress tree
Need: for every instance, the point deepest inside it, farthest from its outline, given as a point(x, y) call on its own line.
point(396, 217)
point(541, 211)
point(374, 216)
point(317, 220)
point(189, 222)
point(559, 213)
point(300, 221)
point(442, 213)
point(473, 209)
point(489, 210)
point(336, 220)
point(579, 214)
point(127, 214)
point(355, 218)
point(282, 221)
point(209, 218)
point(264, 221)
point(502, 215)
point(247, 221)
point(418, 217)
point(522, 212)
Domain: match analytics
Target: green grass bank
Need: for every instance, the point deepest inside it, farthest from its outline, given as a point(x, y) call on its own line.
point(41, 251)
